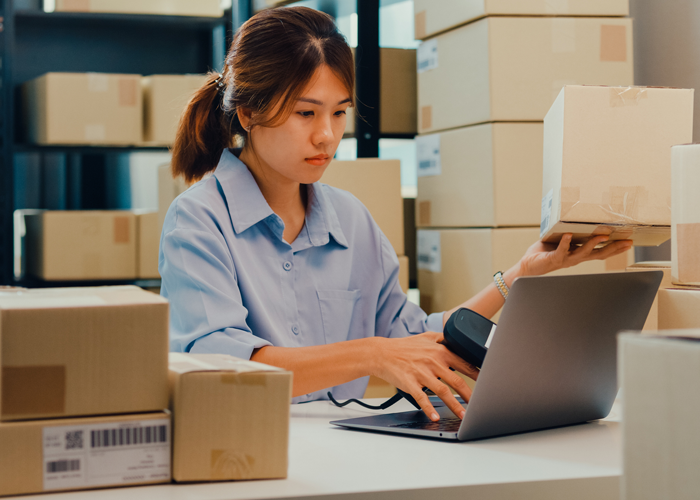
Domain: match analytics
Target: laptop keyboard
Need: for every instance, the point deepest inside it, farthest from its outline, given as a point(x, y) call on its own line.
point(444, 424)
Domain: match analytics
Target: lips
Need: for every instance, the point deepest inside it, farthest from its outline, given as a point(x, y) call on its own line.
point(317, 160)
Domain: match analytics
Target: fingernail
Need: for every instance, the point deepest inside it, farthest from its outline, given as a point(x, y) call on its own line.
point(462, 413)
point(434, 417)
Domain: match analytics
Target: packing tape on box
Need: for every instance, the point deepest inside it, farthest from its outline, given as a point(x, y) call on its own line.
point(73, 5)
point(556, 6)
point(33, 390)
point(688, 244)
point(95, 132)
point(613, 43)
point(122, 233)
point(627, 96)
point(231, 464)
point(563, 35)
point(426, 117)
point(254, 378)
point(622, 204)
point(420, 25)
point(129, 89)
point(98, 82)
point(424, 213)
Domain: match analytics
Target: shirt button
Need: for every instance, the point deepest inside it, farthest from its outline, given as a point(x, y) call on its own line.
point(295, 330)
point(287, 266)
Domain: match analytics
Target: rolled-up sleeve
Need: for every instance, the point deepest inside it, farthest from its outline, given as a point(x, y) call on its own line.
point(396, 316)
point(199, 279)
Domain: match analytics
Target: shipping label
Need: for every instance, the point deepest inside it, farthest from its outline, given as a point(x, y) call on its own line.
point(428, 155)
point(427, 54)
point(429, 250)
point(81, 456)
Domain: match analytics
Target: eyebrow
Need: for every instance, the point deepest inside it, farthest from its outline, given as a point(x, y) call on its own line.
point(319, 103)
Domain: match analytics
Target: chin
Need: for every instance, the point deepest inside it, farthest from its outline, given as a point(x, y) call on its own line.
point(311, 173)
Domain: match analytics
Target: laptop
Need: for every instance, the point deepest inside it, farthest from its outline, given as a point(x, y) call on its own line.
point(552, 360)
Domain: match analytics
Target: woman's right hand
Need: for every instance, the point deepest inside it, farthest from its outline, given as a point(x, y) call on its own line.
point(419, 361)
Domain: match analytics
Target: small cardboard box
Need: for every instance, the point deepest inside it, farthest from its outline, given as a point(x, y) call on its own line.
point(230, 418)
point(148, 245)
point(81, 453)
point(480, 176)
point(607, 161)
point(433, 17)
point(164, 99)
point(83, 108)
point(81, 245)
point(512, 68)
point(456, 264)
point(377, 184)
point(82, 351)
point(201, 8)
point(685, 214)
point(661, 402)
point(679, 308)
point(652, 322)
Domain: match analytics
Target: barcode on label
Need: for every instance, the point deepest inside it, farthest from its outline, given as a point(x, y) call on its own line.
point(106, 438)
point(63, 466)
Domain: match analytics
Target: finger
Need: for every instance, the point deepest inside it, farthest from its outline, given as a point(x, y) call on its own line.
point(457, 383)
point(585, 250)
point(462, 366)
point(445, 394)
point(564, 246)
point(424, 402)
point(612, 249)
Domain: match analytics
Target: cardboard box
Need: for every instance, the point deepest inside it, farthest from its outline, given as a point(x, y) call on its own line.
point(661, 405)
point(403, 273)
point(377, 184)
point(485, 175)
point(83, 108)
point(81, 245)
point(164, 99)
point(168, 190)
point(200, 8)
point(652, 322)
point(607, 158)
point(434, 17)
point(456, 264)
point(679, 308)
point(81, 453)
point(685, 214)
point(82, 351)
point(148, 245)
point(230, 418)
point(512, 68)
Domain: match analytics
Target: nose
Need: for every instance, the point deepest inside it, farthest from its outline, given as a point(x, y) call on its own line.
point(323, 131)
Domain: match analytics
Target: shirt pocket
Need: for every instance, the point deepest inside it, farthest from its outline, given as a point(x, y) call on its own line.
point(336, 312)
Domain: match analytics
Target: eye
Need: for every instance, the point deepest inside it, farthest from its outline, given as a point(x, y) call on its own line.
point(306, 113)
point(339, 113)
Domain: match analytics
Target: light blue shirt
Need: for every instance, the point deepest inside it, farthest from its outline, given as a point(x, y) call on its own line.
point(235, 285)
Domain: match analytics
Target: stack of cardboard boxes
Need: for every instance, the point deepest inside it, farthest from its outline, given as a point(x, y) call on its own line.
point(203, 8)
point(488, 71)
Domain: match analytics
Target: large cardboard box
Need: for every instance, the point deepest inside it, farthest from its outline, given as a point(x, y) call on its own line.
point(80, 453)
point(433, 17)
point(148, 245)
point(485, 175)
point(168, 190)
point(512, 68)
point(377, 184)
point(607, 161)
point(456, 264)
point(83, 108)
point(230, 418)
point(679, 308)
point(82, 351)
point(685, 214)
point(164, 99)
point(203, 8)
point(652, 322)
point(81, 245)
point(661, 406)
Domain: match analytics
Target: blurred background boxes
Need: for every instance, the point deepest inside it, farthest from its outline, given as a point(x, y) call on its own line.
point(652, 322)
point(433, 17)
point(685, 214)
point(230, 417)
point(485, 175)
point(512, 68)
point(83, 108)
point(679, 308)
point(206, 8)
point(607, 160)
point(82, 351)
point(148, 246)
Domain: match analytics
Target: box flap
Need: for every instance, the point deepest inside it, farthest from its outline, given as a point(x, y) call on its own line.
point(186, 363)
point(77, 297)
point(685, 334)
point(659, 264)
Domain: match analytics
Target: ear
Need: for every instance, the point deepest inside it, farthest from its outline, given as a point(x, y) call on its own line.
point(244, 116)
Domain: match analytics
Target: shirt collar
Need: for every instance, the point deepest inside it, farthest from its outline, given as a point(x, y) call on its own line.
point(248, 206)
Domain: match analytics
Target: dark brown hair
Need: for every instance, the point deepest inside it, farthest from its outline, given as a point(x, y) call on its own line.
point(271, 60)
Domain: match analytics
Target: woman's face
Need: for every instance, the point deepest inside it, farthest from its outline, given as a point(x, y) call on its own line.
point(300, 149)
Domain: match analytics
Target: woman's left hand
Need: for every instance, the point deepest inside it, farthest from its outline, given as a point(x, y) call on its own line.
point(542, 258)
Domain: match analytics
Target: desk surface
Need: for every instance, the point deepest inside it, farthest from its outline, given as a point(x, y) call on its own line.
point(577, 462)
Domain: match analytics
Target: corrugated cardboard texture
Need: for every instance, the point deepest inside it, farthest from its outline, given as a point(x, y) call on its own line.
point(512, 68)
point(69, 108)
point(165, 98)
point(105, 349)
point(230, 425)
point(679, 309)
point(397, 91)
point(652, 322)
point(81, 245)
point(377, 184)
point(660, 445)
point(205, 8)
point(685, 214)
point(434, 17)
point(21, 450)
point(491, 175)
point(148, 245)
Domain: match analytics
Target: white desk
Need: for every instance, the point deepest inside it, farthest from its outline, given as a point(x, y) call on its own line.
point(571, 463)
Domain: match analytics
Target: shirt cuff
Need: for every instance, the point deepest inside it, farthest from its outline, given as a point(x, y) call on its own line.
point(240, 346)
point(434, 322)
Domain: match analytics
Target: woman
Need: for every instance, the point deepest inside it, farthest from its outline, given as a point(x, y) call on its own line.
point(261, 261)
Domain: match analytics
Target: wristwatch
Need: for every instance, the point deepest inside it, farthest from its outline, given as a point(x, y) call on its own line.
point(501, 284)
